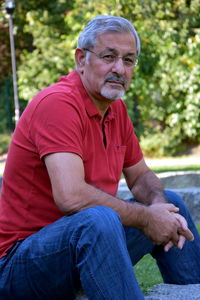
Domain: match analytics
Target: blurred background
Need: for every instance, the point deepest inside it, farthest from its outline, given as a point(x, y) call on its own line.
point(164, 97)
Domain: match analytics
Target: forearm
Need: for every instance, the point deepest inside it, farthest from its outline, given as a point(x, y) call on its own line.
point(156, 221)
point(148, 189)
point(87, 196)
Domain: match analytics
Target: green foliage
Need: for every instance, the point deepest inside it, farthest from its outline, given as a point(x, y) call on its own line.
point(52, 49)
point(5, 139)
point(54, 45)
point(167, 81)
point(163, 143)
point(164, 97)
point(6, 105)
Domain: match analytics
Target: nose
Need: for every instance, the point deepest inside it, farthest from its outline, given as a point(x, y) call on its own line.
point(118, 66)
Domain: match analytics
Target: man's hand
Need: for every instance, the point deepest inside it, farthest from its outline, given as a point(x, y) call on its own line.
point(164, 226)
point(183, 229)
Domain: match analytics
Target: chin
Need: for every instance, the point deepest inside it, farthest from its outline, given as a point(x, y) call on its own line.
point(112, 94)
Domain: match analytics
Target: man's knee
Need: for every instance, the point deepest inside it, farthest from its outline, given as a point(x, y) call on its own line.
point(175, 199)
point(102, 220)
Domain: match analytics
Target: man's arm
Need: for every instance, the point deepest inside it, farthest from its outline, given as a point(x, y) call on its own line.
point(144, 184)
point(72, 194)
point(147, 188)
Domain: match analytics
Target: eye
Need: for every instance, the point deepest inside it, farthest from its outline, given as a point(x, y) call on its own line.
point(129, 60)
point(108, 57)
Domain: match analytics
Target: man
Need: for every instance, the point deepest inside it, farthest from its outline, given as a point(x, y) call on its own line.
point(61, 226)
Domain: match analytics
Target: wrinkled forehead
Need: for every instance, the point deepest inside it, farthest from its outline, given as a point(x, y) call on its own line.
point(116, 41)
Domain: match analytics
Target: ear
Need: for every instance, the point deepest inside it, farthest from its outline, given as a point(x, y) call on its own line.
point(80, 59)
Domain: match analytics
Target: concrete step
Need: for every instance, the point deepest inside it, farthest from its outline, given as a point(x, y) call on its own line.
point(169, 292)
point(174, 292)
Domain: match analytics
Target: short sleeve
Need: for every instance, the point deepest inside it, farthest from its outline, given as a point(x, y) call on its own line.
point(57, 126)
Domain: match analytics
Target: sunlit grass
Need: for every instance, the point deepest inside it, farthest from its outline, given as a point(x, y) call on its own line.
point(180, 167)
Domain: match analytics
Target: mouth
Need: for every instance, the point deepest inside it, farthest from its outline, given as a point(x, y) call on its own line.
point(115, 83)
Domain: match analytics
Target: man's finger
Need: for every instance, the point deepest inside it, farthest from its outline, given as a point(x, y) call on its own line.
point(182, 221)
point(171, 207)
point(181, 242)
point(186, 233)
point(168, 246)
point(184, 230)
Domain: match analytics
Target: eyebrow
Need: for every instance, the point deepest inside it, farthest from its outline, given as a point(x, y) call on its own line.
point(114, 50)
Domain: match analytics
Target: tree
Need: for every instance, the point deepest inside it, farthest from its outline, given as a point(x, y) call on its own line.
point(166, 83)
point(163, 99)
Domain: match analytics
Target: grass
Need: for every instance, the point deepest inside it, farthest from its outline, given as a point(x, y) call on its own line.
point(176, 168)
point(147, 272)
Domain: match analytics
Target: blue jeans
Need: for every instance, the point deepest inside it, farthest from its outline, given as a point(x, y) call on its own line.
point(93, 251)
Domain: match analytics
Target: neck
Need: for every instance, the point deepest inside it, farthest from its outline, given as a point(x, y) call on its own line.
point(101, 105)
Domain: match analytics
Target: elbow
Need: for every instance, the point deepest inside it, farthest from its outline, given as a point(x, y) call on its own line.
point(68, 204)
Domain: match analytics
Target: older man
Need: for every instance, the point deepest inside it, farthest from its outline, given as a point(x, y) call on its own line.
point(61, 226)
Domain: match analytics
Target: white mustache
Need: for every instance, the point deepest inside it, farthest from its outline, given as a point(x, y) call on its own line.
point(114, 77)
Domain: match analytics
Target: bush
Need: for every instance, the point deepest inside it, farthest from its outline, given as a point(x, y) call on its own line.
point(5, 139)
point(166, 143)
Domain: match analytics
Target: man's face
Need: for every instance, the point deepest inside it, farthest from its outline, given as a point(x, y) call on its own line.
point(102, 78)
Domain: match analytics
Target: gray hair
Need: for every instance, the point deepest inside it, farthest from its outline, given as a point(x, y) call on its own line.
point(102, 24)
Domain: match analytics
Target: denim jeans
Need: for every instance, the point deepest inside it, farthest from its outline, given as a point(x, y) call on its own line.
point(93, 251)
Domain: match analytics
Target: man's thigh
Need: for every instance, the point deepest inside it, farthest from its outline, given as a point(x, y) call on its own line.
point(50, 263)
point(42, 264)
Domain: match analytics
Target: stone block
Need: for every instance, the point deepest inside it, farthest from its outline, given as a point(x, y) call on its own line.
point(180, 179)
point(191, 196)
point(174, 292)
point(169, 292)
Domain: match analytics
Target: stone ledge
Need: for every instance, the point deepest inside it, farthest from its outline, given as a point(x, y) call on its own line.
point(174, 292)
point(191, 196)
point(180, 179)
point(169, 292)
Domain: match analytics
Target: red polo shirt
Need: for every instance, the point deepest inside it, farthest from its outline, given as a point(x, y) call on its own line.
point(61, 118)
